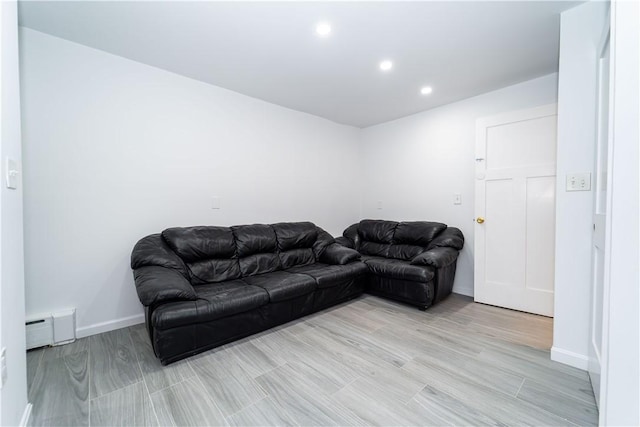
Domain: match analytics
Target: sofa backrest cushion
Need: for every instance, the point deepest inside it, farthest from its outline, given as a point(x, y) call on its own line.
point(198, 243)
point(399, 240)
point(295, 243)
point(208, 252)
point(376, 237)
point(377, 231)
point(257, 247)
point(419, 233)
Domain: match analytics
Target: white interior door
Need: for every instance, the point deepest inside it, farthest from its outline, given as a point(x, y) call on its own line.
point(599, 218)
point(515, 209)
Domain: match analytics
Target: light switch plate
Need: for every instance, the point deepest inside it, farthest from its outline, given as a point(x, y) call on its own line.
point(12, 174)
point(579, 181)
point(379, 205)
point(457, 199)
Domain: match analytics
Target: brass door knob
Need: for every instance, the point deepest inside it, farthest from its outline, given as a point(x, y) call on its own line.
point(479, 220)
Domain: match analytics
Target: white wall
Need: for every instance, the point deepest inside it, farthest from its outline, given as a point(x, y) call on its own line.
point(580, 34)
point(620, 397)
point(13, 399)
point(414, 165)
point(115, 150)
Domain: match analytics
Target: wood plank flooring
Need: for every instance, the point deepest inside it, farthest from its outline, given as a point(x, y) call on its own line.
point(366, 362)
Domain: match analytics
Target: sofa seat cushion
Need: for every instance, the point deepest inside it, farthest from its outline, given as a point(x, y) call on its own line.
point(215, 301)
point(398, 269)
point(327, 276)
point(282, 285)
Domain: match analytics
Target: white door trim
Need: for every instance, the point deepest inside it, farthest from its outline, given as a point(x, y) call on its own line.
point(620, 380)
point(601, 221)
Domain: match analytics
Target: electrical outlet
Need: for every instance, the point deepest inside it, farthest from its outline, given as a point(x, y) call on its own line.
point(216, 203)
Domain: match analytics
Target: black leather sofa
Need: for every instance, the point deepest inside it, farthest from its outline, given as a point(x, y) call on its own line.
point(413, 262)
point(205, 286)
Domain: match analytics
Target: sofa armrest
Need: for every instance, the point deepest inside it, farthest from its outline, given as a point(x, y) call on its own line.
point(160, 284)
point(437, 257)
point(338, 254)
point(451, 237)
point(344, 241)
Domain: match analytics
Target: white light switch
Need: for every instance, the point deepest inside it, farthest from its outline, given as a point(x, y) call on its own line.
point(216, 203)
point(12, 174)
point(457, 199)
point(579, 181)
point(379, 204)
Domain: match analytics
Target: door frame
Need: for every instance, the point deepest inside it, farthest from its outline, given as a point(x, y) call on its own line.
point(620, 376)
point(482, 124)
point(594, 364)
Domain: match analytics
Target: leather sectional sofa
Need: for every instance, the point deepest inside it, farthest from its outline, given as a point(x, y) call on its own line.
point(412, 262)
point(205, 286)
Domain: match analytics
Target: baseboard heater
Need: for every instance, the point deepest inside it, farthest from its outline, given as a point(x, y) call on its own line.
point(51, 329)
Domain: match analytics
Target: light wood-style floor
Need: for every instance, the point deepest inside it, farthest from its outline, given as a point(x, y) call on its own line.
point(366, 362)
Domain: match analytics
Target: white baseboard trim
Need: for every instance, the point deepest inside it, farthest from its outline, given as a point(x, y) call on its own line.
point(111, 325)
point(570, 358)
point(463, 291)
point(24, 422)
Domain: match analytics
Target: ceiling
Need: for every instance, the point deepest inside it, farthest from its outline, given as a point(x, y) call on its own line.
point(269, 50)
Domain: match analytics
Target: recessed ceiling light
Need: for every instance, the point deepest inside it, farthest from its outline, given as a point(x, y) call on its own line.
point(426, 90)
point(386, 65)
point(323, 29)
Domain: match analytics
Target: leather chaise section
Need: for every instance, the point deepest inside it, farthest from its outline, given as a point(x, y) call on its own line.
point(281, 285)
point(327, 276)
point(398, 269)
point(213, 302)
